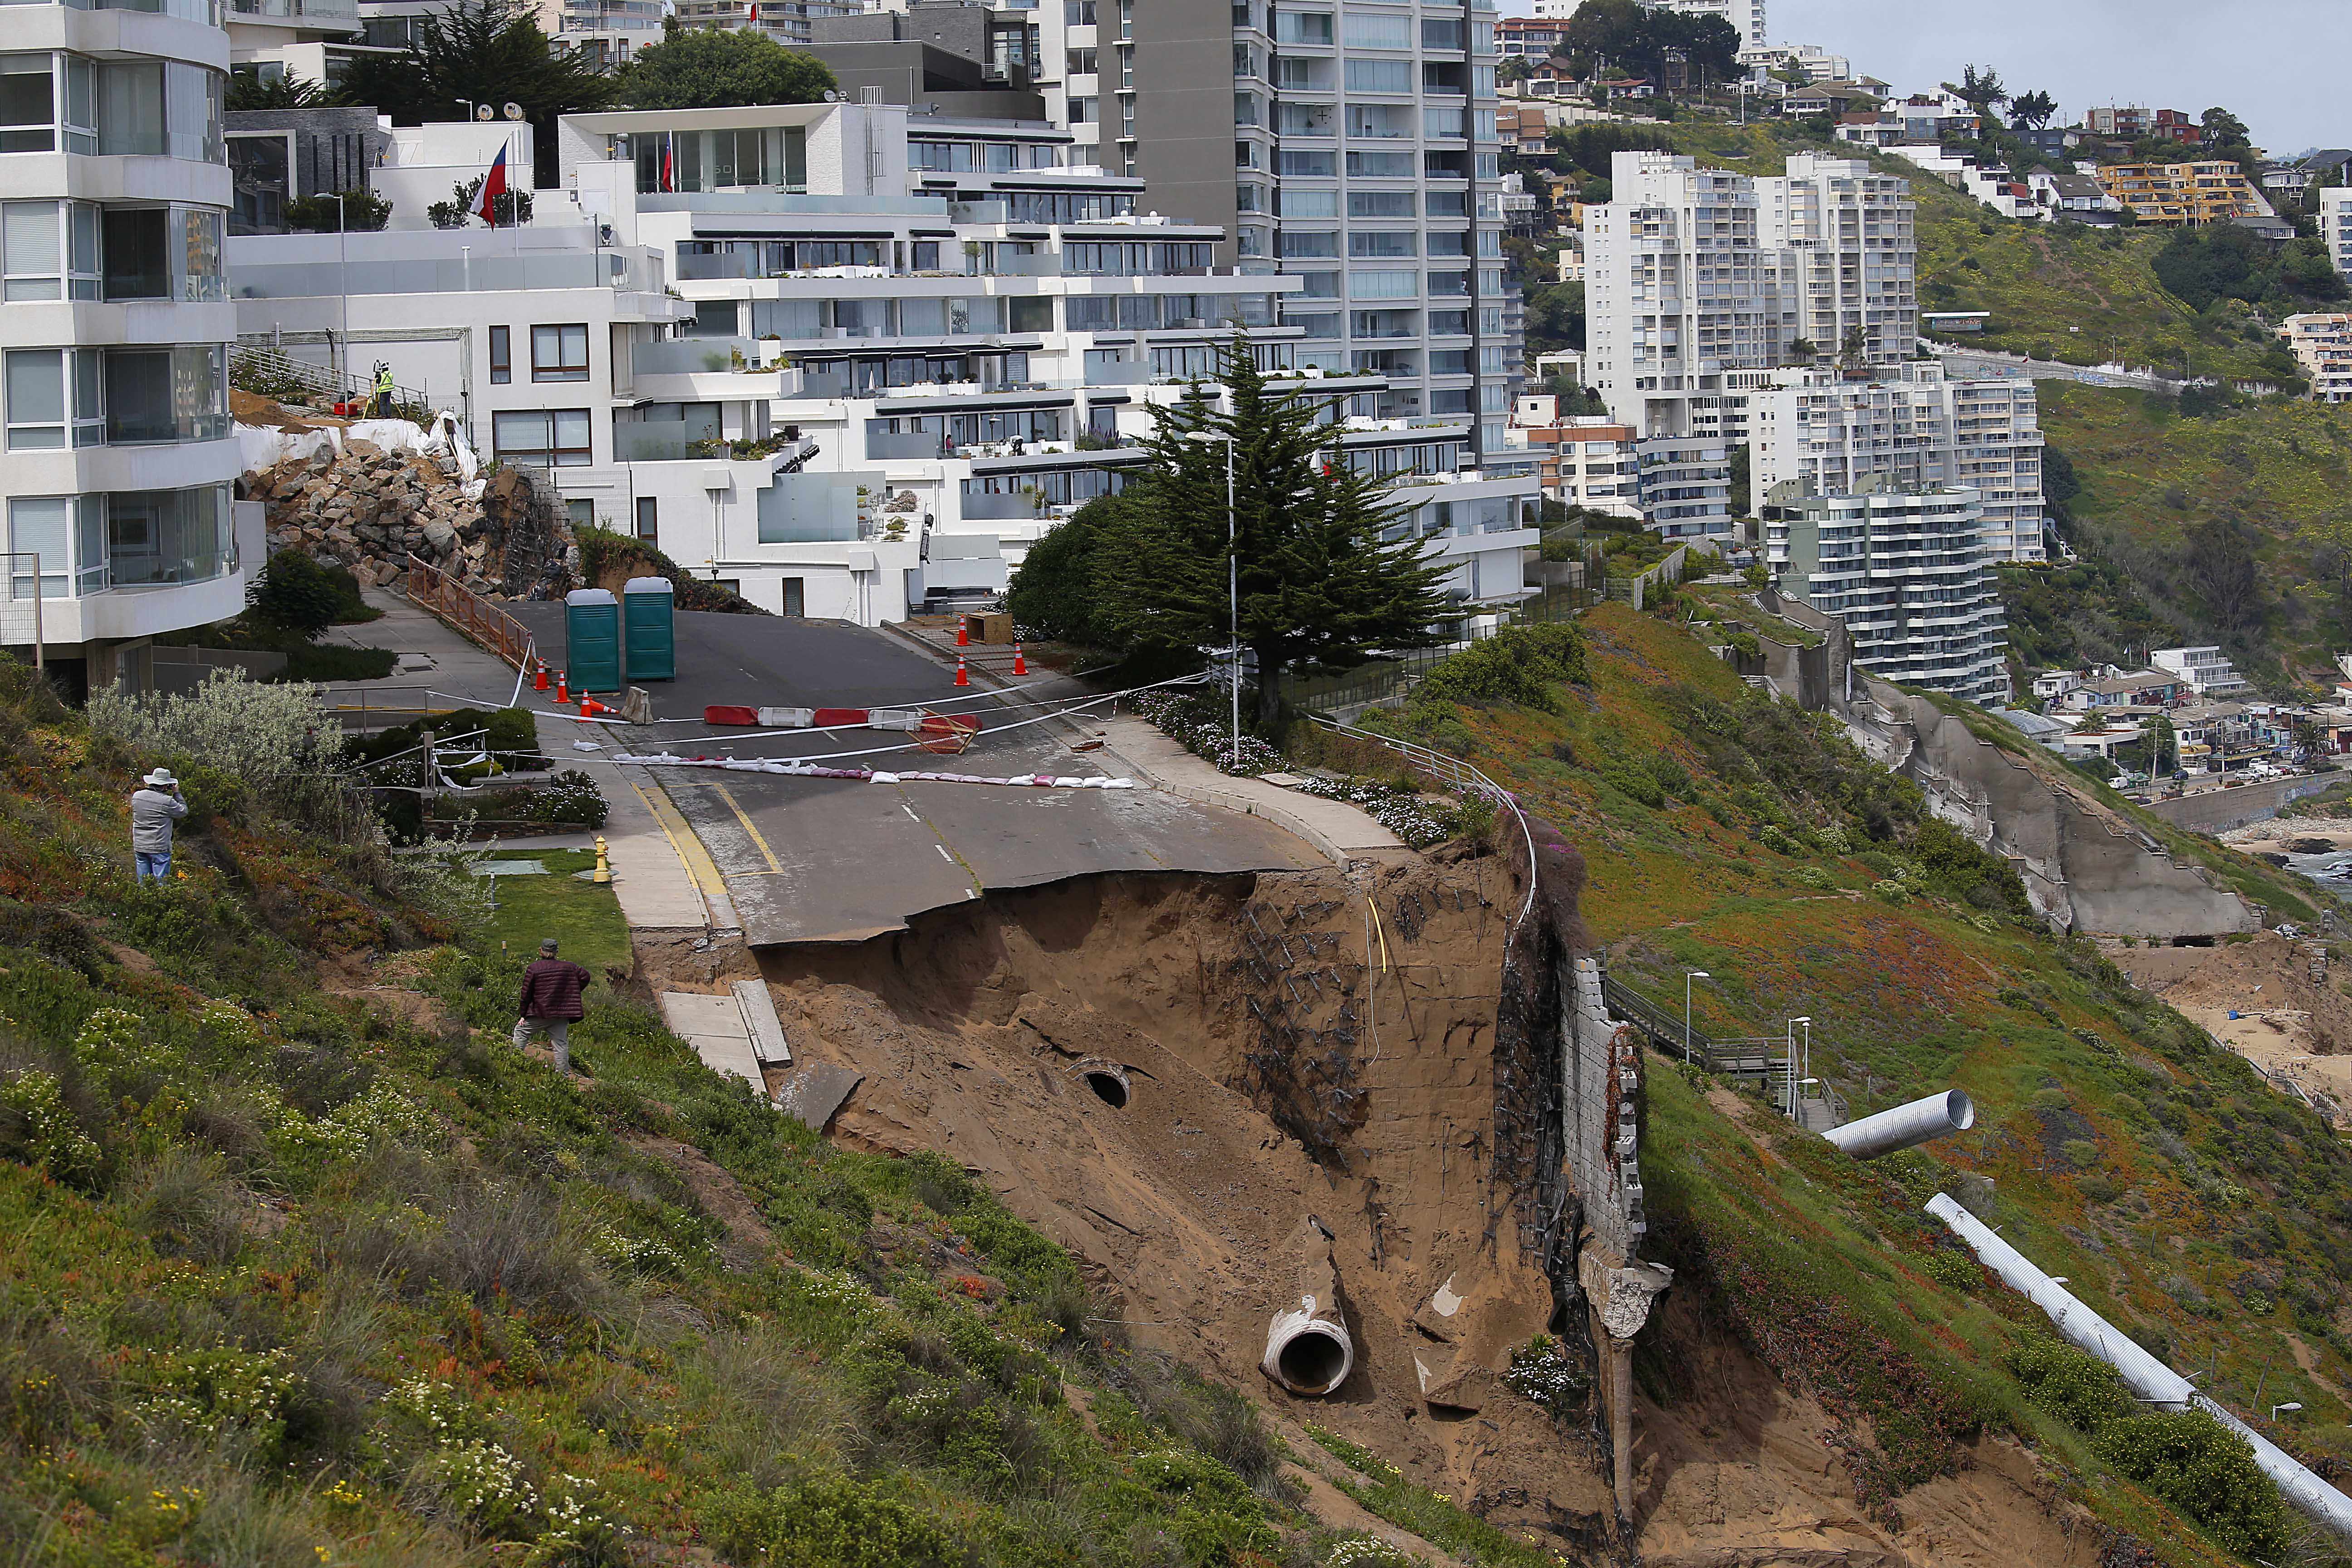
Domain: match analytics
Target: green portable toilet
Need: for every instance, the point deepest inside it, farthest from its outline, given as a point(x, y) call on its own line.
point(591, 639)
point(648, 630)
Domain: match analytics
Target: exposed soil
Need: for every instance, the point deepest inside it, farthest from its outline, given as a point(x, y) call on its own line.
point(2285, 1024)
point(977, 1030)
point(750, 1243)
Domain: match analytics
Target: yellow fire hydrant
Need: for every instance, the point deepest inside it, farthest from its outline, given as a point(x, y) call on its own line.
point(603, 864)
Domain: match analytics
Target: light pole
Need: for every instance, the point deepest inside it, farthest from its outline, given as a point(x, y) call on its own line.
point(1792, 1037)
point(343, 283)
point(2291, 1407)
point(1689, 975)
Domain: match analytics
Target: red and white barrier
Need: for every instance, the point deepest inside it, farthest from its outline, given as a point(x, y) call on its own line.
point(944, 732)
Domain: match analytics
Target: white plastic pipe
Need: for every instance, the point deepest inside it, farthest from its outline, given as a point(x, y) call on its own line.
point(1905, 1126)
point(2148, 1377)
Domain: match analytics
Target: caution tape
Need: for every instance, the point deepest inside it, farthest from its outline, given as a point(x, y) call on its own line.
point(870, 775)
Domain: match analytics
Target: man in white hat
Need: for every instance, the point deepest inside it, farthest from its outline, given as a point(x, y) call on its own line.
point(153, 809)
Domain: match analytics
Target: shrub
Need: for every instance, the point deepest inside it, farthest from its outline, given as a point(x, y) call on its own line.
point(2076, 1386)
point(826, 1522)
point(272, 737)
point(2205, 1470)
point(296, 593)
point(1517, 664)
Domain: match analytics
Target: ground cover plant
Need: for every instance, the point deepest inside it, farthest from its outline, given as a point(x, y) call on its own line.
point(2204, 1214)
point(308, 1266)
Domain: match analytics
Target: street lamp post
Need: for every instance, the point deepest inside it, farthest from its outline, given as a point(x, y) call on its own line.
point(2290, 1408)
point(343, 306)
point(1689, 975)
point(1791, 1038)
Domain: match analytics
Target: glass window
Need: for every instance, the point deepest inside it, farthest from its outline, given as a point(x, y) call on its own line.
point(1380, 203)
point(199, 232)
point(167, 536)
point(192, 105)
point(1030, 313)
point(1383, 285)
point(199, 392)
point(1310, 204)
point(1372, 30)
point(648, 519)
point(134, 254)
point(559, 353)
point(36, 389)
point(1302, 27)
point(1441, 32)
point(131, 107)
point(138, 395)
point(257, 165)
point(1309, 243)
point(501, 355)
point(28, 112)
point(42, 526)
point(31, 251)
point(1380, 76)
point(1382, 242)
point(545, 437)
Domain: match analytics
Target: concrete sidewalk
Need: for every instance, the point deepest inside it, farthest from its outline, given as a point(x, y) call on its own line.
point(1340, 830)
point(663, 877)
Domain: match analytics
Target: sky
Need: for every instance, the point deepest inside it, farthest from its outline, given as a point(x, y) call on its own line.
point(2276, 64)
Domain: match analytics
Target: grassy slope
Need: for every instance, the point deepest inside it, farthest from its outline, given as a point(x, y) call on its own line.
point(299, 1277)
point(2182, 1198)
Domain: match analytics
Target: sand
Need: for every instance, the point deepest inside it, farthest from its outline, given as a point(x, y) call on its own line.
point(2285, 1024)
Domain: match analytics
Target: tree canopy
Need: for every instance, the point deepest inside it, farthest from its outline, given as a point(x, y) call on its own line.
point(697, 68)
point(1146, 574)
point(1630, 37)
point(248, 91)
point(478, 51)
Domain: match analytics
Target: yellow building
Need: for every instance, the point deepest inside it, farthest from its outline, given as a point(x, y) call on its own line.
point(2171, 195)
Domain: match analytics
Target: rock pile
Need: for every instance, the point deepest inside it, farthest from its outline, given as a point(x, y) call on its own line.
point(370, 509)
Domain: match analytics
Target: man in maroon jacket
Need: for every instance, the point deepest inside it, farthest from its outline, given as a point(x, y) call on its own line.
point(551, 1003)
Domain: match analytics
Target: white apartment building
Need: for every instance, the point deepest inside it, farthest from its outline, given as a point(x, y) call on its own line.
point(1853, 253)
point(843, 358)
point(1680, 295)
point(1350, 143)
point(1581, 461)
point(1906, 570)
point(2322, 344)
point(1747, 15)
point(1910, 423)
point(2335, 225)
point(118, 455)
point(2207, 670)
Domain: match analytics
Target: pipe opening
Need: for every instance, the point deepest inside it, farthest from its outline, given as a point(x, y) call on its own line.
point(1313, 1362)
point(1962, 1110)
point(1109, 1088)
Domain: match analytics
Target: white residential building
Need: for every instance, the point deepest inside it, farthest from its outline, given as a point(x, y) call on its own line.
point(2207, 670)
point(1912, 424)
point(1747, 15)
point(2322, 344)
point(901, 349)
point(1907, 571)
point(118, 456)
point(2335, 225)
point(1853, 255)
point(1582, 461)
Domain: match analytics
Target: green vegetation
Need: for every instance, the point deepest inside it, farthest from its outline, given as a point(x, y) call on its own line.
point(306, 1265)
point(1382, 1490)
point(608, 559)
point(2204, 1214)
point(696, 67)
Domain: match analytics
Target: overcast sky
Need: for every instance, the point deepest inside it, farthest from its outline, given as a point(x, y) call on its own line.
point(2277, 64)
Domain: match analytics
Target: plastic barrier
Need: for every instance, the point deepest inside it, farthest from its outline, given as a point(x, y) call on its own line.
point(870, 775)
point(907, 720)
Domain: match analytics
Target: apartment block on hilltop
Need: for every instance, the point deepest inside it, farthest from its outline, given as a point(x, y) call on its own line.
point(2336, 226)
point(2207, 670)
point(2212, 190)
point(1913, 424)
point(1907, 571)
point(119, 456)
point(2322, 344)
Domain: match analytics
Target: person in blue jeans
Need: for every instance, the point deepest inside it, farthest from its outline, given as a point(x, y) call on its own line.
point(153, 809)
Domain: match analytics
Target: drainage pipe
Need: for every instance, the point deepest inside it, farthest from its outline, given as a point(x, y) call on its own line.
point(1905, 1126)
point(2148, 1377)
point(1308, 1350)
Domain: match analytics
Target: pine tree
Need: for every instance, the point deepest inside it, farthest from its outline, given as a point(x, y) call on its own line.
point(1321, 581)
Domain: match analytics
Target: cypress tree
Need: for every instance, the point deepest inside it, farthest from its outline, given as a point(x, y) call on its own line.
point(1330, 570)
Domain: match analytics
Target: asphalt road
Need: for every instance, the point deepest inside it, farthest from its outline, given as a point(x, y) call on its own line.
point(838, 860)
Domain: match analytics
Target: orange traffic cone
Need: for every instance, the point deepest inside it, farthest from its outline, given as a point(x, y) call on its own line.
point(538, 683)
point(963, 675)
point(964, 632)
point(590, 708)
point(1020, 665)
point(562, 691)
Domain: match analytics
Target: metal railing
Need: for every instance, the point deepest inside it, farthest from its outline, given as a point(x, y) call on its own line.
point(1454, 774)
point(263, 360)
point(433, 589)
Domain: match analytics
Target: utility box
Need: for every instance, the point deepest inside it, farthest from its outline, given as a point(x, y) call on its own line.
point(591, 639)
point(989, 628)
point(648, 628)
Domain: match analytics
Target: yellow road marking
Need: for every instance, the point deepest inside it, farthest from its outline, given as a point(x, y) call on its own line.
point(699, 866)
point(744, 818)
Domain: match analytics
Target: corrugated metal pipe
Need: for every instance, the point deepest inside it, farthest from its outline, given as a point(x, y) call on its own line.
point(1905, 1126)
point(2148, 1377)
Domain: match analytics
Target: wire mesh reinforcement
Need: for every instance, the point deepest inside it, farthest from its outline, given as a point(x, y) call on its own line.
point(22, 620)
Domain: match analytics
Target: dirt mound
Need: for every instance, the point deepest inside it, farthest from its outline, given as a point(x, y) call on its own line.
point(2288, 1023)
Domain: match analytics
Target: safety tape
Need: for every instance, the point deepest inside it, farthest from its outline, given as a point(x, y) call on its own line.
point(869, 775)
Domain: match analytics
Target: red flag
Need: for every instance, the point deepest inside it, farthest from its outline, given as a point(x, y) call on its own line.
point(666, 183)
point(494, 185)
